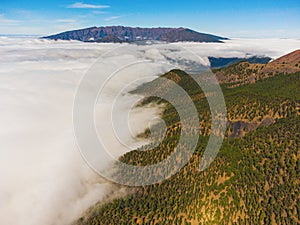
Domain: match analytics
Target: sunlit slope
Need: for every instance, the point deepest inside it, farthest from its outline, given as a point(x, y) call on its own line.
point(246, 72)
point(253, 180)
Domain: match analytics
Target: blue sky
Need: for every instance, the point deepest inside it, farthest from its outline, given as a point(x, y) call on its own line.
point(236, 18)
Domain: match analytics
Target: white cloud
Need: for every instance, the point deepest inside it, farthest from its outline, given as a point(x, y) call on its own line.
point(80, 5)
point(112, 18)
point(242, 47)
point(43, 172)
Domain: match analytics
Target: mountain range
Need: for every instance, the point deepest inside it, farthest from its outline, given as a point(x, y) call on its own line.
point(115, 34)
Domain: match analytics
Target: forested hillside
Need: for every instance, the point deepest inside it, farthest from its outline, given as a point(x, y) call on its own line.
point(255, 177)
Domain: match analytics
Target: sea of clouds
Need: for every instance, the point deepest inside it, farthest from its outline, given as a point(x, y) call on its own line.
point(43, 178)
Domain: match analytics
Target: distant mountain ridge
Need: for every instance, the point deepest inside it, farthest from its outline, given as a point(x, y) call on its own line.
point(116, 34)
point(225, 62)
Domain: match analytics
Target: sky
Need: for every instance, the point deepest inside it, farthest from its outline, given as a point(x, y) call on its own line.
point(234, 19)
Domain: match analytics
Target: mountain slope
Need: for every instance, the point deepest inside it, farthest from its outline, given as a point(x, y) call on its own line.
point(253, 180)
point(289, 63)
point(244, 185)
point(245, 72)
point(131, 34)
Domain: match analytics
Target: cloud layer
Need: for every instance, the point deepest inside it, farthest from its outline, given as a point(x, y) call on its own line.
point(80, 5)
point(43, 179)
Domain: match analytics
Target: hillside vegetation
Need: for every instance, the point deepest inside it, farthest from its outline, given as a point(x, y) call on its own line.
point(246, 72)
point(255, 177)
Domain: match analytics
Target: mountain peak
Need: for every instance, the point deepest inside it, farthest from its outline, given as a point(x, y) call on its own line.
point(293, 57)
point(289, 63)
